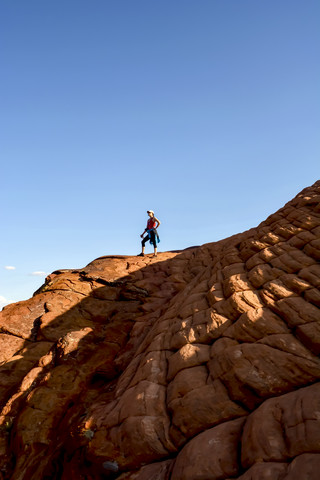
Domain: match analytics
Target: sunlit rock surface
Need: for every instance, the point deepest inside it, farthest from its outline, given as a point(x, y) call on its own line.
point(200, 364)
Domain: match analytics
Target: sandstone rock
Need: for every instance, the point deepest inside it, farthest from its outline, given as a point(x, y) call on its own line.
point(202, 408)
point(265, 471)
point(283, 428)
point(188, 356)
point(212, 454)
point(197, 364)
point(22, 319)
point(256, 324)
point(304, 466)
point(309, 335)
point(156, 471)
point(9, 345)
point(253, 372)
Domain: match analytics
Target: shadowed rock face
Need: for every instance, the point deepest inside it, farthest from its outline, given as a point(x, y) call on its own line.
point(197, 365)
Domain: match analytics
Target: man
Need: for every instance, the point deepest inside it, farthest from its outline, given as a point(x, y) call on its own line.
point(152, 224)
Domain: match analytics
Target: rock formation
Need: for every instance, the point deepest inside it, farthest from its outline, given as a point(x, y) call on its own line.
point(197, 365)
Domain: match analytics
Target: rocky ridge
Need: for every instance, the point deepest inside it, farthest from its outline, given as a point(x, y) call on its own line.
point(197, 365)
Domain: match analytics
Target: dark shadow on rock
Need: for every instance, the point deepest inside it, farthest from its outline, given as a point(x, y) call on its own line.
point(70, 360)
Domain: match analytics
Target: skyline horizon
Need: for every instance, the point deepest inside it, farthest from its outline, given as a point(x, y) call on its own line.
point(4, 302)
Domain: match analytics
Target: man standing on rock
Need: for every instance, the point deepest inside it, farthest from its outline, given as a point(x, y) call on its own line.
point(151, 229)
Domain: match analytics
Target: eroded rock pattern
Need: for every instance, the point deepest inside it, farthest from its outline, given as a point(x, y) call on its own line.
point(197, 365)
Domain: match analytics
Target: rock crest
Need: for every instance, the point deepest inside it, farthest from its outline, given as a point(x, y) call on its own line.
point(199, 364)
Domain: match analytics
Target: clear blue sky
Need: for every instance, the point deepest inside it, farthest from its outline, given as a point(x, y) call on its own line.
point(206, 111)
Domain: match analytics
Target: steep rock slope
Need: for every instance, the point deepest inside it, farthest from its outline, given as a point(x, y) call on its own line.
point(201, 364)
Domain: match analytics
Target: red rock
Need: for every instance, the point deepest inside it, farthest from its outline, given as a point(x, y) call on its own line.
point(9, 346)
point(256, 324)
point(283, 428)
point(188, 356)
point(309, 334)
point(202, 407)
point(168, 368)
point(155, 471)
point(211, 454)
point(253, 372)
point(20, 319)
point(265, 471)
point(304, 466)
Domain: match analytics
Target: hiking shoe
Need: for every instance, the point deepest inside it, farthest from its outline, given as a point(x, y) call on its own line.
point(140, 255)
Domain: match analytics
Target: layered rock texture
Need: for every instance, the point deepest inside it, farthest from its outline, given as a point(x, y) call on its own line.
point(195, 365)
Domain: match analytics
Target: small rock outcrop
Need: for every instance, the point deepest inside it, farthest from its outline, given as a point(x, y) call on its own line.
point(195, 365)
